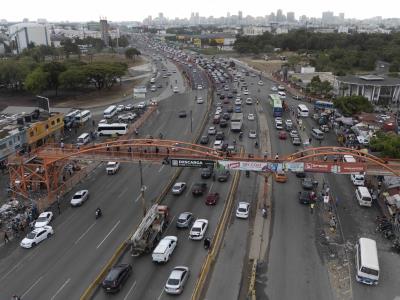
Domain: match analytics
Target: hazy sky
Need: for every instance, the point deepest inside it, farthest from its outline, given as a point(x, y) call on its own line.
point(137, 10)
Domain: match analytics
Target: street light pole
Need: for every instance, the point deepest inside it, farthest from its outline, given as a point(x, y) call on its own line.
point(191, 122)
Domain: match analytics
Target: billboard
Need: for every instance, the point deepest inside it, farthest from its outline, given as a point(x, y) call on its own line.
point(250, 166)
point(191, 163)
point(139, 92)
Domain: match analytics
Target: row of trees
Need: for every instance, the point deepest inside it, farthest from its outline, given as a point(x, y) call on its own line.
point(340, 52)
point(38, 77)
point(351, 105)
point(386, 143)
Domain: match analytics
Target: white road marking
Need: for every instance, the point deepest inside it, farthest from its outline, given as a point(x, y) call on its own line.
point(212, 184)
point(137, 199)
point(112, 229)
point(83, 234)
point(59, 290)
point(187, 193)
point(32, 286)
point(162, 167)
point(132, 287)
point(159, 297)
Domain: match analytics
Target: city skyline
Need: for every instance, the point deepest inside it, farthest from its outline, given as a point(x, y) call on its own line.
point(126, 11)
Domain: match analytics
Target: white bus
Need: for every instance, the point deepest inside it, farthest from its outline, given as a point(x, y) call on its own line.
point(367, 262)
point(83, 139)
point(69, 118)
point(112, 129)
point(110, 112)
point(83, 117)
point(302, 110)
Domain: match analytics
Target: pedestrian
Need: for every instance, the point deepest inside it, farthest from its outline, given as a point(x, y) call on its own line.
point(312, 208)
point(62, 145)
point(277, 156)
point(310, 140)
point(93, 123)
point(327, 191)
point(6, 239)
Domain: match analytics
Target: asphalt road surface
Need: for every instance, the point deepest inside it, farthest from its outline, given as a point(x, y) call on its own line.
point(63, 266)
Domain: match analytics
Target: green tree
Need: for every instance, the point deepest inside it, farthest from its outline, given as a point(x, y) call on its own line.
point(131, 53)
point(386, 143)
point(351, 105)
point(36, 81)
point(104, 74)
point(73, 78)
point(13, 73)
point(69, 47)
point(53, 69)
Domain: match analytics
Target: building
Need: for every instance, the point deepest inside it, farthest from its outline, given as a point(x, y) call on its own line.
point(374, 88)
point(290, 17)
point(104, 29)
point(12, 139)
point(24, 34)
point(39, 125)
point(256, 30)
point(327, 17)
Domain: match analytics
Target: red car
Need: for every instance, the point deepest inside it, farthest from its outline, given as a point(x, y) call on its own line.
point(282, 135)
point(212, 198)
point(216, 119)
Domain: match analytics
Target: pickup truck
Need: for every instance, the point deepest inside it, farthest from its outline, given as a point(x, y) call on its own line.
point(199, 188)
point(112, 167)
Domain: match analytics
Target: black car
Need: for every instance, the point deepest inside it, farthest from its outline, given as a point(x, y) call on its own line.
point(300, 174)
point(222, 97)
point(206, 172)
point(230, 96)
point(182, 114)
point(116, 278)
point(223, 175)
point(306, 198)
point(220, 134)
point(204, 140)
point(223, 123)
point(226, 116)
point(199, 188)
point(307, 183)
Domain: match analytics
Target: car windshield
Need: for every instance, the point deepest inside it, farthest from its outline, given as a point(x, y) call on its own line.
point(41, 219)
point(173, 281)
point(77, 197)
point(112, 275)
point(196, 229)
point(31, 235)
point(242, 209)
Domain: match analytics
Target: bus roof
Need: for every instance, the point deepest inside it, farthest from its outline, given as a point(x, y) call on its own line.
point(275, 100)
point(274, 97)
point(105, 125)
point(302, 107)
point(73, 113)
point(110, 108)
point(369, 253)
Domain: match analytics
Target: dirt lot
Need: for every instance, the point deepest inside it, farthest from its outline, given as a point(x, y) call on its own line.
point(266, 66)
point(82, 99)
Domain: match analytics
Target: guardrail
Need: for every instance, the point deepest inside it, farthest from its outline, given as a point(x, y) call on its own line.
point(90, 290)
point(217, 241)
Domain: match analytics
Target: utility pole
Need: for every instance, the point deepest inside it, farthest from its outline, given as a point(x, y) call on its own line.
point(142, 188)
point(191, 122)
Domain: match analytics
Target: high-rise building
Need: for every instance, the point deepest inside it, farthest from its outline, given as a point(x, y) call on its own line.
point(161, 15)
point(240, 16)
point(279, 16)
point(104, 29)
point(272, 17)
point(341, 16)
point(290, 17)
point(327, 17)
point(24, 34)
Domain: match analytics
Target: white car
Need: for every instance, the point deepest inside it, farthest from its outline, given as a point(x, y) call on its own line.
point(199, 100)
point(218, 145)
point(103, 121)
point(120, 107)
point(199, 87)
point(212, 130)
point(238, 101)
point(198, 230)
point(251, 117)
point(36, 236)
point(79, 198)
point(44, 219)
point(282, 95)
point(126, 117)
point(249, 101)
point(141, 105)
point(242, 210)
point(252, 134)
point(178, 188)
point(164, 249)
point(278, 125)
point(260, 82)
point(176, 280)
point(112, 167)
point(245, 92)
point(175, 90)
point(274, 88)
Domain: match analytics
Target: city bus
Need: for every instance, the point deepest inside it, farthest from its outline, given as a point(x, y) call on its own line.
point(112, 129)
point(302, 110)
point(276, 103)
point(319, 104)
point(110, 112)
point(83, 117)
point(69, 119)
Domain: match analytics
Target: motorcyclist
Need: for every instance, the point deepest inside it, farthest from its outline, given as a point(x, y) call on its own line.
point(240, 134)
point(207, 243)
point(256, 144)
point(160, 136)
point(98, 212)
point(247, 173)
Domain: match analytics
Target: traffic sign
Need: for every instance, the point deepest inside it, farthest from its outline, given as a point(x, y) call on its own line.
point(192, 163)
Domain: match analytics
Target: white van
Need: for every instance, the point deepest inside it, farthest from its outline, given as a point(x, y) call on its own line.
point(164, 249)
point(363, 196)
point(356, 179)
point(367, 262)
point(83, 139)
point(317, 134)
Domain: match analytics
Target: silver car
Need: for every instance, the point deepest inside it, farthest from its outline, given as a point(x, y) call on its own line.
point(184, 220)
point(176, 280)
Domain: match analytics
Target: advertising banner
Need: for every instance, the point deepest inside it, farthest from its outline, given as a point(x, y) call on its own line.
point(192, 163)
point(250, 166)
point(350, 168)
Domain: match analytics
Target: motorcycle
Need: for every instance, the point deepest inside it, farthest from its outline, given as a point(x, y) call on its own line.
point(207, 243)
point(98, 213)
point(264, 212)
point(396, 245)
